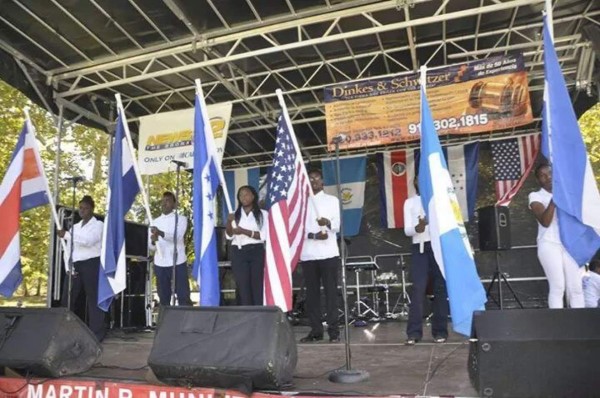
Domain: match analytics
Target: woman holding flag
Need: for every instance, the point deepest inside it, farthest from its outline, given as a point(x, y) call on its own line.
point(247, 246)
point(562, 271)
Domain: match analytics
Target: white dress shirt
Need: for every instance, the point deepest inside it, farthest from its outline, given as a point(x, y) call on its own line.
point(329, 207)
point(166, 223)
point(591, 289)
point(413, 209)
point(551, 233)
point(88, 240)
point(248, 221)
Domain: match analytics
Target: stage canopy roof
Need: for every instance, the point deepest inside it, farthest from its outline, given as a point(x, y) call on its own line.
point(76, 54)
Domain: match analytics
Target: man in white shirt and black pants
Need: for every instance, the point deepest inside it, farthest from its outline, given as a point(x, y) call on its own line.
point(87, 246)
point(162, 234)
point(422, 267)
point(320, 259)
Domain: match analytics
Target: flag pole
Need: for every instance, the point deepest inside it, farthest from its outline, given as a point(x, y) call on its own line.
point(549, 19)
point(549, 24)
point(38, 159)
point(210, 141)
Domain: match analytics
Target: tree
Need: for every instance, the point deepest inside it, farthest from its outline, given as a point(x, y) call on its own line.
point(589, 123)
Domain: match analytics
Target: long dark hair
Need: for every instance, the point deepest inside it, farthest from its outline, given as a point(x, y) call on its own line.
point(255, 207)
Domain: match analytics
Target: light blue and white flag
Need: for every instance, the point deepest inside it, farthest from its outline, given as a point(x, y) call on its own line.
point(574, 189)
point(122, 190)
point(352, 180)
point(205, 184)
point(237, 178)
point(449, 240)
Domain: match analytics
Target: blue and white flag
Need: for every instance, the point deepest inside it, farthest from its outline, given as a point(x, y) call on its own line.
point(574, 189)
point(449, 240)
point(205, 184)
point(237, 178)
point(122, 189)
point(352, 180)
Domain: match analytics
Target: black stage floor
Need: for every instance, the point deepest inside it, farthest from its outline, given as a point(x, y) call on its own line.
point(426, 369)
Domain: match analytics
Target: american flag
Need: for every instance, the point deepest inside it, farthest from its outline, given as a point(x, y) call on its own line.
point(513, 159)
point(287, 197)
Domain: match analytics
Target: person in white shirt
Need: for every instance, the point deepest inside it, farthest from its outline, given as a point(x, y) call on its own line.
point(320, 259)
point(171, 251)
point(591, 284)
point(247, 251)
point(87, 245)
point(423, 267)
point(562, 271)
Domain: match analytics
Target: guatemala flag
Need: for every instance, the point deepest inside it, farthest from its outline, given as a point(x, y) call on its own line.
point(574, 189)
point(205, 184)
point(449, 240)
point(237, 178)
point(122, 190)
point(353, 171)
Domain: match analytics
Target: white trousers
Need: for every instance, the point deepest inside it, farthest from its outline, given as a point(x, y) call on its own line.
point(563, 273)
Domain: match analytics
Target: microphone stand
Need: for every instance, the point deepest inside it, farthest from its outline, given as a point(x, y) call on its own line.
point(174, 272)
point(70, 266)
point(347, 375)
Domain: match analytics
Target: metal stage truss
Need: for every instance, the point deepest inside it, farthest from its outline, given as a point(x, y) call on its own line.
point(73, 56)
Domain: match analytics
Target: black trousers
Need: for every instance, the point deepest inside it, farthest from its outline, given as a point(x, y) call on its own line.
point(248, 267)
point(86, 279)
point(423, 267)
point(164, 276)
point(315, 272)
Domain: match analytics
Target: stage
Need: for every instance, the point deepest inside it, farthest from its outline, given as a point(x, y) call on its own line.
point(426, 369)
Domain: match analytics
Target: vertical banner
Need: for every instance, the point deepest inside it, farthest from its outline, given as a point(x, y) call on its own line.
point(168, 136)
point(352, 180)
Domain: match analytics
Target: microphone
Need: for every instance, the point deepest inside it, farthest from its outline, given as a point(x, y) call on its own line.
point(180, 163)
point(74, 178)
point(338, 139)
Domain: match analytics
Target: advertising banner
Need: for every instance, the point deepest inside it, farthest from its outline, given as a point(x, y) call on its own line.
point(479, 96)
point(168, 136)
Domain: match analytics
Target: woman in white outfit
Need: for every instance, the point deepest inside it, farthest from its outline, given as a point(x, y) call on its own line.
point(562, 271)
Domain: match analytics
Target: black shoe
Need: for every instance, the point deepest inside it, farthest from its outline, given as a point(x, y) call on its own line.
point(335, 339)
point(311, 338)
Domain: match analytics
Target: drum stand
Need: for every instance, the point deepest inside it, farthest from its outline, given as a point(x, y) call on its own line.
point(403, 299)
point(357, 268)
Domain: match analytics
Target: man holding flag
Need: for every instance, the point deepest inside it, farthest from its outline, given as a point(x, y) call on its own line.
point(449, 240)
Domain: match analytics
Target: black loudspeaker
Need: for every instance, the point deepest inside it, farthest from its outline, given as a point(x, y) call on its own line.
point(536, 353)
point(494, 228)
point(47, 342)
point(242, 348)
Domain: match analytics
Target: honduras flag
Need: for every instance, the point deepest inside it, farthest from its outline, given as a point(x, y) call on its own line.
point(235, 179)
point(449, 240)
point(122, 190)
point(574, 189)
point(205, 184)
point(352, 180)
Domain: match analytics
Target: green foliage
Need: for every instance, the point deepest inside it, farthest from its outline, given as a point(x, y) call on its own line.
point(589, 123)
point(84, 152)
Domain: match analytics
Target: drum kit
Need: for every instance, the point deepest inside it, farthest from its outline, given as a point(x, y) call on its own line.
point(374, 308)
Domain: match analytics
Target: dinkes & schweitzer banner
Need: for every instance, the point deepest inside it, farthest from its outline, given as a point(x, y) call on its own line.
point(474, 97)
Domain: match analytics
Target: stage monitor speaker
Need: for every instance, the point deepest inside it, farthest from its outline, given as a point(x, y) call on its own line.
point(242, 348)
point(47, 342)
point(494, 228)
point(536, 353)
